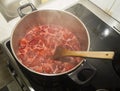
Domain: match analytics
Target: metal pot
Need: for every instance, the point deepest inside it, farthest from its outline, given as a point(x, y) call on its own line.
point(61, 18)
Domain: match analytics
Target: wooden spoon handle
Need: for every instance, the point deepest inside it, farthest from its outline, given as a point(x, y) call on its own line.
point(90, 54)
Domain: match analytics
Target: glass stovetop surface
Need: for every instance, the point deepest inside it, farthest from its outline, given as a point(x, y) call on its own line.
point(102, 38)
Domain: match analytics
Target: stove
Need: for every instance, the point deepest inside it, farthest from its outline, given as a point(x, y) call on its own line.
point(102, 38)
point(27, 83)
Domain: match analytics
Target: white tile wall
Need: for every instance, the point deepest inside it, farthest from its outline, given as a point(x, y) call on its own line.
point(103, 4)
point(115, 10)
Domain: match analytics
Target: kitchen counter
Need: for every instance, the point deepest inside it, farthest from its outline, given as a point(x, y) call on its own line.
point(3, 28)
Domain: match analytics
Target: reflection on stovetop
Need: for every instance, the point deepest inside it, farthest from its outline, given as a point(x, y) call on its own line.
point(102, 38)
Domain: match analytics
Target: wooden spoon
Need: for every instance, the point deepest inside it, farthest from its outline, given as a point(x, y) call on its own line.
point(61, 52)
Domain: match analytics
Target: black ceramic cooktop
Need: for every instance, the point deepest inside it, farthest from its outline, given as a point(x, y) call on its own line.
point(102, 38)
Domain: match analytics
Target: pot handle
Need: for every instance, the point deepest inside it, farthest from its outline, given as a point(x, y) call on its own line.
point(24, 6)
point(83, 74)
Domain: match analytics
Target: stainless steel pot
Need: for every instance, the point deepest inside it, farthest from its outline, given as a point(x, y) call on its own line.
point(58, 17)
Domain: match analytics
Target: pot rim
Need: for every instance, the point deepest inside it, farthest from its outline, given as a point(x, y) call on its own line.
point(54, 74)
